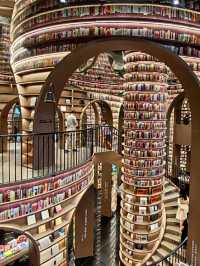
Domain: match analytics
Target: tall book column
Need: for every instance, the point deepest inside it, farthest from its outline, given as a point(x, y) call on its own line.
point(144, 157)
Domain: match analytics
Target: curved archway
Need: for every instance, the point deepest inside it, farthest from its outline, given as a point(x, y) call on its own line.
point(4, 123)
point(178, 152)
point(35, 253)
point(106, 112)
point(4, 116)
point(176, 101)
point(187, 78)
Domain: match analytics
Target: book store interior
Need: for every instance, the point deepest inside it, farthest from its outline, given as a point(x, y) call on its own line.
point(99, 132)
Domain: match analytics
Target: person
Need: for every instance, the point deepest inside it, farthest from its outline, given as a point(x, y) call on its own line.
point(107, 135)
point(186, 119)
point(183, 207)
point(71, 124)
point(16, 134)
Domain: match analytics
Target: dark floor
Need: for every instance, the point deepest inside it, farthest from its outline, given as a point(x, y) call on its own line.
point(109, 250)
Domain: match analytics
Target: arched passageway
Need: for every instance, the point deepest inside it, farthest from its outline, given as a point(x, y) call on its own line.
point(10, 122)
point(105, 113)
point(182, 71)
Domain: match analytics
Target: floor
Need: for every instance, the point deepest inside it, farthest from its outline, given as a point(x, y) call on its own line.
point(109, 250)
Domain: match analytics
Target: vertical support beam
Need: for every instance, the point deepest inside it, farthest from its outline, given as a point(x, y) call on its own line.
point(84, 226)
point(106, 189)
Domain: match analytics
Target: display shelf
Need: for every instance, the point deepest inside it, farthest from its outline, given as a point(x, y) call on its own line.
point(54, 242)
point(49, 226)
point(14, 257)
point(145, 242)
point(60, 251)
point(135, 222)
point(148, 194)
point(49, 232)
point(36, 188)
point(131, 11)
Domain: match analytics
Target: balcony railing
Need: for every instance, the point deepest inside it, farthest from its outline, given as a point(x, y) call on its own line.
point(24, 157)
point(177, 256)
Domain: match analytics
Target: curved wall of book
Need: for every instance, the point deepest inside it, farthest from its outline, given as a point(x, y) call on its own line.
point(43, 33)
point(144, 155)
point(44, 208)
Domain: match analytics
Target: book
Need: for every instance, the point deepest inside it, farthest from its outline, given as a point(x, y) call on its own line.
point(42, 228)
point(58, 208)
point(139, 219)
point(153, 226)
point(44, 242)
point(130, 216)
point(45, 255)
point(45, 214)
point(142, 210)
point(144, 237)
point(143, 200)
point(31, 219)
point(58, 221)
point(55, 249)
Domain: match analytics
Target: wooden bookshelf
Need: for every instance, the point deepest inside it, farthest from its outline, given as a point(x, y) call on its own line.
point(49, 225)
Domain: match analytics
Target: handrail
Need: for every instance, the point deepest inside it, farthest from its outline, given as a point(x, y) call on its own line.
point(27, 156)
point(169, 257)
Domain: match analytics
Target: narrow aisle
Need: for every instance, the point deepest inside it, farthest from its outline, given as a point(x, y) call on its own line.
point(108, 254)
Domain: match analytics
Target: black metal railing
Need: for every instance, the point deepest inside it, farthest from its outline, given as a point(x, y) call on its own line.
point(23, 157)
point(181, 179)
point(178, 255)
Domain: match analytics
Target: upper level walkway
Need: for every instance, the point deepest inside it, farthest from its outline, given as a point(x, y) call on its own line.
point(26, 157)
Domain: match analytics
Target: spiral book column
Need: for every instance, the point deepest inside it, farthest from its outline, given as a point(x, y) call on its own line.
point(144, 156)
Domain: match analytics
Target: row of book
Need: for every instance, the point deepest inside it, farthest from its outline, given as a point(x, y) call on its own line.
point(142, 182)
point(146, 97)
point(150, 134)
point(13, 247)
point(154, 77)
point(144, 173)
point(145, 115)
point(146, 67)
point(145, 106)
point(51, 252)
point(52, 48)
point(104, 10)
point(63, 47)
point(145, 153)
point(145, 144)
point(108, 31)
point(146, 124)
point(28, 190)
point(131, 226)
point(135, 208)
point(144, 163)
point(147, 87)
point(140, 218)
point(25, 208)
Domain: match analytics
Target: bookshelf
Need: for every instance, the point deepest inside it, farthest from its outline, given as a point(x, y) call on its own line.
point(26, 20)
point(144, 155)
point(13, 247)
point(44, 208)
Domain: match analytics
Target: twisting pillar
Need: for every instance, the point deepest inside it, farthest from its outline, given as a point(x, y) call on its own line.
point(144, 156)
